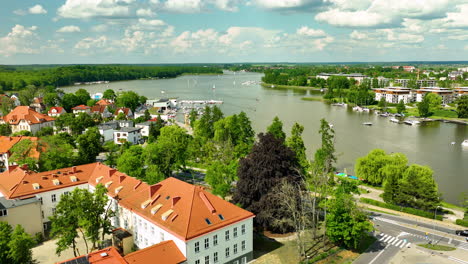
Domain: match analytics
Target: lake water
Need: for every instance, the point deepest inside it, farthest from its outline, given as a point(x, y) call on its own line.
point(428, 144)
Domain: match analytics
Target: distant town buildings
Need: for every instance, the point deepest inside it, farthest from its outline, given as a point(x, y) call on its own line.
point(356, 76)
point(395, 94)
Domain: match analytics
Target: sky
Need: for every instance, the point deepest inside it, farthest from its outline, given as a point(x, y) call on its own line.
point(225, 31)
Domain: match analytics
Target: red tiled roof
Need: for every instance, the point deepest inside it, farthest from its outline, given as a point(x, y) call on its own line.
point(18, 182)
point(58, 109)
point(108, 255)
point(165, 252)
point(6, 143)
point(122, 109)
point(104, 102)
point(26, 113)
point(98, 108)
point(81, 107)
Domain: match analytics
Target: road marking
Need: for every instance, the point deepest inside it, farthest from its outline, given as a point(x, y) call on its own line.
point(399, 242)
point(391, 240)
point(450, 241)
point(457, 260)
point(403, 245)
point(383, 237)
point(388, 238)
point(378, 255)
point(463, 246)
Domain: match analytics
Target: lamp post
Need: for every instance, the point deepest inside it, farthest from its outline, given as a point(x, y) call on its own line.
point(435, 212)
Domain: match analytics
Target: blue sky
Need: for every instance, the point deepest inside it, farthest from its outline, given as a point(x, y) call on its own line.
point(188, 31)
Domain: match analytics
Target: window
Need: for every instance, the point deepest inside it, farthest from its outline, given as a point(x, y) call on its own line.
point(42, 214)
point(227, 235)
point(208, 221)
point(207, 259)
point(215, 240)
point(244, 260)
point(3, 212)
point(235, 232)
point(243, 229)
point(54, 198)
point(44, 226)
point(215, 257)
point(152, 230)
point(53, 210)
point(221, 216)
point(236, 262)
point(243, 245)
point(207, 243)
point(197, 261)
point(235, 248)
point(197, 247)
point(227, 252)
point(66, 193)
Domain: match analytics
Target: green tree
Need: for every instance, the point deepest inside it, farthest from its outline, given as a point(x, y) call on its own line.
point(131, 162)
point(27, 95)
point(401, 106)
point(51, 99)
point(109, 94)
point(147, 115)
point(276, 129)
point(220, 177)
point(112, 153)
point(345, 223)
point(418, 188)
point(22, 153)
point(45, 131)
point(296, 143)
point(91, 102)
point(392, 174)
point(155, 129)
point(6, 105)
point(193, 117)
point(69, 101)
point(5, 129)
point(20, 246)
point(372, 167)
point(462, 106)
point(128, 99)
point(57, 153)
point(89, 145)
point(434, 100)
point(121, 116)
point(154, 174)
point(5, 237)
point(82, 96)
point(382, 102)
point(325, 156)
point(424, 107)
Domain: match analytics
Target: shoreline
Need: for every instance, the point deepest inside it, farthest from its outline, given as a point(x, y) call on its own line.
point(268, 85)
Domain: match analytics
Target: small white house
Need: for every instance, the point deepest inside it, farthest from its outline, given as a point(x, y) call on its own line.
point(145, 126)
point(127, 134)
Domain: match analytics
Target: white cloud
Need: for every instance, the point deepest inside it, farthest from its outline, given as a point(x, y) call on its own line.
point(458, 37)
point(92, 43)
point(336, 17)
point(19, 12)
point(145, 12)
point(458, 19)
point(147, 24)
point(358, 35)
point(310, 32)
point(19, 41)
point(288, 4)
point(100, 28)
point(226, 5)
point(95, 8)
point(402, 37)
point(37, 10)
point(183, 6)
point(68, 29)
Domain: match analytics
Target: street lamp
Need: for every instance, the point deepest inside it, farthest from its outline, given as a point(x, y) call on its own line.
point(435, 212)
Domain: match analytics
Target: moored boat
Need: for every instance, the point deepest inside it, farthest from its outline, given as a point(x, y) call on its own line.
point(367, 123)
point(465, 143)
point(411, 122)
point(394, 120)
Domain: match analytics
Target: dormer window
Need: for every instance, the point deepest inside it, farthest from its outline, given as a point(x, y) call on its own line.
point(145, 204)
point(155, 209)
point(56, 182)
point(221, 216)
point(108, 184)
point(118, 189)
point(36, 186)
point(208, 221)
point(166, 214)
point(73, 179)
point(98, 179)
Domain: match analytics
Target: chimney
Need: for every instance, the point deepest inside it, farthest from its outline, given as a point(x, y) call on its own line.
point(73, 169)
point(121, 178)
point(153, 189)
point(111, 172)
point(175, 200)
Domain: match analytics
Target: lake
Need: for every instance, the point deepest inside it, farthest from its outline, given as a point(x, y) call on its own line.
point(427, 144)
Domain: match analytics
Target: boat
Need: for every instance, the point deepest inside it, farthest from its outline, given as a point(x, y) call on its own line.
point(340, 104)
point(411, 122)
point(465, 143)
point(367, 123)
point(384, 115)
point(357, 108)
point(394, 120)
point(365, 109)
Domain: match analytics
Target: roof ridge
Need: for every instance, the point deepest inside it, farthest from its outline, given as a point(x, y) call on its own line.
point(17, 185)
point(191, 209)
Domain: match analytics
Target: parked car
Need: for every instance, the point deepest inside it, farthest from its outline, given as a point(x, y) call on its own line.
point(462, 232)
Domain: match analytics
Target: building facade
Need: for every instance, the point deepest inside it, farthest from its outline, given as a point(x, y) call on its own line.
point(24, 118)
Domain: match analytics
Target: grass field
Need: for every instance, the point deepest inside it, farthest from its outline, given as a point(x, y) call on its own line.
point(437, 247)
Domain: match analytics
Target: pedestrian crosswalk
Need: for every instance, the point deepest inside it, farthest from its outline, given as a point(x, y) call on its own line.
point(463, 245)
point(391, 240)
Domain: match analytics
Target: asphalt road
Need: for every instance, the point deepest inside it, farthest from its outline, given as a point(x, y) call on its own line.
point(392, 236)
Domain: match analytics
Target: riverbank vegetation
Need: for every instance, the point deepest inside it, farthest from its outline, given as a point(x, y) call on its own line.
point(15, 78)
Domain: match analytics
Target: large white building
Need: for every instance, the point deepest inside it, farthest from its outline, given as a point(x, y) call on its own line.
point(356, 76)
point(446, 94)
point(24, 118)
point(204, 227)
point(393, 94)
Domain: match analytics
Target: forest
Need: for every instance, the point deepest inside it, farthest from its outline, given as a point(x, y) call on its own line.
point(15, 78)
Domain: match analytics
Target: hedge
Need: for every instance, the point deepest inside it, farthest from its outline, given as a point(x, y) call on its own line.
point(462, 222)
point(408, 210)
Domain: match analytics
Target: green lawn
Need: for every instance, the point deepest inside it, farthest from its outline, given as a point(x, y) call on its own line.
point(437, 247)
point(313, 98)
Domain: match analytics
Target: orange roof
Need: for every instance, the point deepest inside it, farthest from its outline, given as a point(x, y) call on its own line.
point(108, 255)
point(104, 102)
point(125, 110)
point(58, 109)
point(165, 252)
point(81, 107)
point(6, 143)
point(191, 205)
point(98, 108)
point(18, 182)
point(26, 113)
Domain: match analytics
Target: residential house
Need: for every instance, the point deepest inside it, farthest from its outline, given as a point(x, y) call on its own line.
point(25, 118)
point(426, 83)
point(446, 94)
point(102, 110)
point(38, 104)
point(165, 252)
point(56, 111)
point(15, 98)
point(7, 143)
point(454, 74)
point(105, 102)
point(145, 127)
point(126, 111)
point(81, 109)
point(409, 68)
point(25, 212)
point(20, 183)
point(204, 227)
point(356, 76)
point(125, 123)
point(127, 134)
point(393, 94)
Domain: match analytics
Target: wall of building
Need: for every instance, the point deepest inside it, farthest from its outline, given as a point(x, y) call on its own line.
point(29, 216)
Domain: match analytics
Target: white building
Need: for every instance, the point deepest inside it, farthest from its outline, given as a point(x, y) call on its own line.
point(24, 118)
point(127, 134)
point(81, 109)
point(56, 111)
point(446, 94)
point(145, 127)
point(356, 76)
point(394, 94)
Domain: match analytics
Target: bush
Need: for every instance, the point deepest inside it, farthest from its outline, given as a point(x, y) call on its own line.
point(407, 210)
point(462, 222)
point(39, 238)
